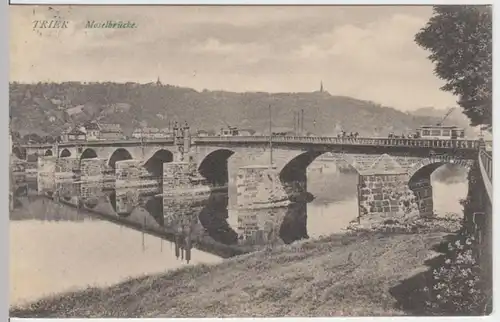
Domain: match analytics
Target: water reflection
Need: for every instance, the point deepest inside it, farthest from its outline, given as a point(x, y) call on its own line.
point(271, 226)
point(57, 247)
point(206, 215)
point(55, 256)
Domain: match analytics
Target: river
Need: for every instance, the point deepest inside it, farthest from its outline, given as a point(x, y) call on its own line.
point(56, 248)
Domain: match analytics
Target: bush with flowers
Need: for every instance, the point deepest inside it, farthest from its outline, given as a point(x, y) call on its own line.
point(459, 286)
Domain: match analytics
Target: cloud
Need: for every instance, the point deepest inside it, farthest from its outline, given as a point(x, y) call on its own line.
point(378, 61)
point(364, 52)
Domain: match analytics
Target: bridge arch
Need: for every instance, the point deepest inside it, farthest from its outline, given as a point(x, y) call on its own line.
point(119, 154)
point(154, 207)
point(154, 164)
point(65, 153)
point(88, 153)
point(436, 162)
point(420, 180)
point(295, 169)
point(48, 153)
point(214, 166)
point(293, 173)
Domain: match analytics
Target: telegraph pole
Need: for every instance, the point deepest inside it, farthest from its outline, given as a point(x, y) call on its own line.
point(270, 137)
point(297, 128)
point(294, 123)
point(302, 121)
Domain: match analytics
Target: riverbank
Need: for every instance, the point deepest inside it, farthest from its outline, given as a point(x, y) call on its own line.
point(331, 276)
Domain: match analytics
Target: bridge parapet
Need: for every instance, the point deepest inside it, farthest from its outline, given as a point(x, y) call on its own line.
point(386, 142)
point(486, 167)
point(280, 140)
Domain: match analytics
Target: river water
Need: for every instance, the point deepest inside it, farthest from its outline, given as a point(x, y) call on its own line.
point(55, 248)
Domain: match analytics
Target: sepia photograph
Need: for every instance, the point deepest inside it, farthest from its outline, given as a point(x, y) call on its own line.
point(212, 161)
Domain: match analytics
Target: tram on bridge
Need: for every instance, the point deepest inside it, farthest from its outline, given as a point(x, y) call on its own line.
point(440, 132)
point(437, 132)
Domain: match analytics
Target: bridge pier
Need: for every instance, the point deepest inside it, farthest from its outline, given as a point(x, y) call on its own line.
point(125, 201)
point(130, 174)
point(181, 215)
point(422, 189)
point(260, 187)
point(181, 175)
point(93, 180)
point(260, 227)
point(385, 195)
point(393, 196)
point(67, 179)
point(184, 196)
point(46, 171)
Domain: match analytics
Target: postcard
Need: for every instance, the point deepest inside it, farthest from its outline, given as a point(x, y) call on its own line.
point(250, 161)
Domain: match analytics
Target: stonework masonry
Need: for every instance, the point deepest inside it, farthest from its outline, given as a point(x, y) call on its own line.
point(46, 174)
point(387, 195)
point(92, 173)
point(389, 186)
point(260, 187)
point(184, 196)
point(260, 226)
point(180, 175)
point(422, 188)
point(131, 174)
point(126, 200)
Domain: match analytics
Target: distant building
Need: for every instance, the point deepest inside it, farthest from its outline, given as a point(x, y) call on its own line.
point(229, 131)
point(75, 110)
point(246, 132)
point(203, 133)
point(110, 132)
point(102, 131)
point(76, 135)
point(64, 136)
point(92, 130)
point(150, 133)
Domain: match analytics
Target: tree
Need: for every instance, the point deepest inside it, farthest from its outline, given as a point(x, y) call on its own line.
point(49, 139)
point(460, 41)
point(32, 138)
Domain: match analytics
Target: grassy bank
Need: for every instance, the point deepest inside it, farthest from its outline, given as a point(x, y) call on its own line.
point(336, 275)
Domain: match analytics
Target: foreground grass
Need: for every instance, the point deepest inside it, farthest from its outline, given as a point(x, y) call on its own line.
point(332, 276)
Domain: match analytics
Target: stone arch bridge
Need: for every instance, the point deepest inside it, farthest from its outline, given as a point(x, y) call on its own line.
point(394, 174)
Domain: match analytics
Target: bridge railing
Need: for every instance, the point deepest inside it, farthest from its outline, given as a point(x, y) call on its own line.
point(98, 143)
point(460, 144)
point(486, 167)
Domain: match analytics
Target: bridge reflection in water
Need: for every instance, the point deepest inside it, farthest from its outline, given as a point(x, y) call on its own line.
point(197, 215)
point(192, 218)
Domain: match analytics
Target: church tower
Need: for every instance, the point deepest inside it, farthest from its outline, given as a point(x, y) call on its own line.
point(158, 83)
point(321, 87)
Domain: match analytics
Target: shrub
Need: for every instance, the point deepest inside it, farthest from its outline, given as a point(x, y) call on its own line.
point(458, 287)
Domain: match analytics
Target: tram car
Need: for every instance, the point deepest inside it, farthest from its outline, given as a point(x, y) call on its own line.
point(440, 132)
point(229, 131)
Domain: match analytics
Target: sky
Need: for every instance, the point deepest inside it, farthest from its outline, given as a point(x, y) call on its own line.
point(358, 51)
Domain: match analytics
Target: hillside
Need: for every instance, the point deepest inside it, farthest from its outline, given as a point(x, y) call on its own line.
point(46, 108)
